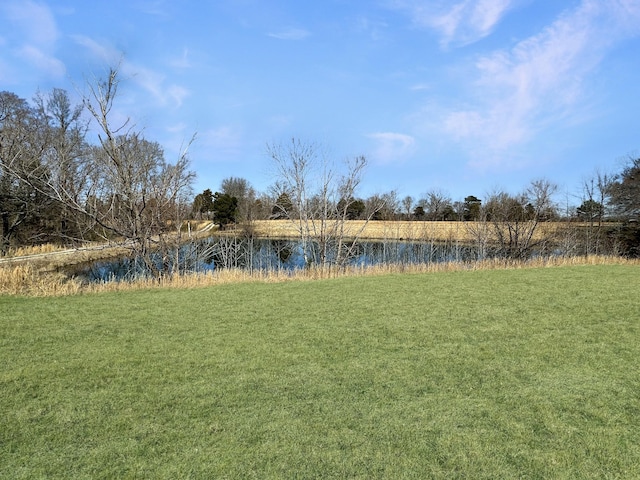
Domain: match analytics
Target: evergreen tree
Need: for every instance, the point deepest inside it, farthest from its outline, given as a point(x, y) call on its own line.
point(225, 209)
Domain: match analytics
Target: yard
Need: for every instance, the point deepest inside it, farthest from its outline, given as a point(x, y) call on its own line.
point(523, 373)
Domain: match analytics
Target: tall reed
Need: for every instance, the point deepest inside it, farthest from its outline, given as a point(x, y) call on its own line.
point(28, 280)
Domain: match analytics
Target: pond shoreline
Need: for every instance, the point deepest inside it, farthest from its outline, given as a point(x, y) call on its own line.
point(374, 230)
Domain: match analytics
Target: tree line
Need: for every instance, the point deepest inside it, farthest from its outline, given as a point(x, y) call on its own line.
point(58, 186)
point(603, 198)
point(605, 220)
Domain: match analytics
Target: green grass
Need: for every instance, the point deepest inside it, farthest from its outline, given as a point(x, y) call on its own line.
point(486, 374)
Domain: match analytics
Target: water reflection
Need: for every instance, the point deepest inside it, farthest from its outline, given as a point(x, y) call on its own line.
point(277, 254)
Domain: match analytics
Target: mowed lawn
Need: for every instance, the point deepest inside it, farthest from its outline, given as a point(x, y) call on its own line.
point(531, 373)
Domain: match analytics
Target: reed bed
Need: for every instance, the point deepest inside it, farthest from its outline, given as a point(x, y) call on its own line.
point(373, 230)
point(394, 230)
point(29, 280)
point(35, 250)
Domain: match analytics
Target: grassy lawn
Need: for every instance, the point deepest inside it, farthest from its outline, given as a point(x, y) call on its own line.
point(530, 373)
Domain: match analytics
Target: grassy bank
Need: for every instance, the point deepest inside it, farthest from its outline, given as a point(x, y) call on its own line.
point(528, 373)
point(29, 279)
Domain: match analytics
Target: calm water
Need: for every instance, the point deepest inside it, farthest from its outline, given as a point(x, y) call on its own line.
point(269, 254)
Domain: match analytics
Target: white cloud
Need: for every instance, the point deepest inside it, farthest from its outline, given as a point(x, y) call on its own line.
point(105, 54)
point(391, 147)
point(39, 59)
point(149, 80)
point(36, 21)
point(540, 80)
point(225, 139)
point(290, 34)
point(38, 35)
point(460, 23)
point(154, 83)
point(419, 87)
point(177, 94)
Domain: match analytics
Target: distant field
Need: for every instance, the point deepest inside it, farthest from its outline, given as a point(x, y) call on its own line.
point(524, 373)
point(392, 230)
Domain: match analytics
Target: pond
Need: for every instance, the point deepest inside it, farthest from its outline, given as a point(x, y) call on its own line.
point(271, 255)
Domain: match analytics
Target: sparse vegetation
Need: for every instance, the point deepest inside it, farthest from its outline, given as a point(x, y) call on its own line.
point(32, 279)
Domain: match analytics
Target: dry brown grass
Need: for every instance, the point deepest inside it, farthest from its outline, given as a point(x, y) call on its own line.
point(38, 275)
point(94, 250)
point(35, 250)
point(392, 230)
point(28, 280)
point(54, 259)
point(379, 230)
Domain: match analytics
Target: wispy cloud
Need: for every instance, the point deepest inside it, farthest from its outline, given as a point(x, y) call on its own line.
point(36, 21)
point(540, 81)
point(290, 34)
point(224, 140)
point(102, 52)
point(178, 94)
point(43, 61)
point(153, 7)
point(151, 81)
point(375, 29)
point(38, 36)
point(420, 87)
point(459, 23)
point(181, 62)
point(155, 83)
point(391, 147)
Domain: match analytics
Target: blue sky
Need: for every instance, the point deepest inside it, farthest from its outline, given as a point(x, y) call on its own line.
point(458, 95)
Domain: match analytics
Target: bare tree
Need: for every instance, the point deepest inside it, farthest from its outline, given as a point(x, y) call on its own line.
point(65, 157)
point(595, 196)
point(124, 186)
point(320, 194)
point(515, 219)
point(145, 196)
point(22, 144)
point(382, 206)
point(407, 205)
point(435, 203)
point(625, 190)
point(241, 189)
